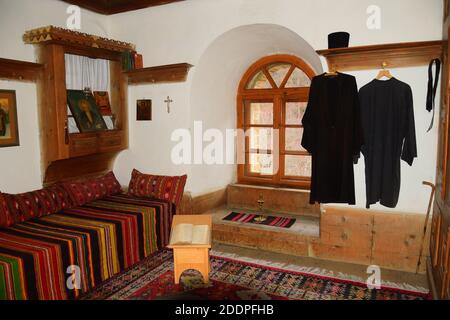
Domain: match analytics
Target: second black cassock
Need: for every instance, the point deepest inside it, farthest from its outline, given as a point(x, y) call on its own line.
point(333, 135)
point(389, 133)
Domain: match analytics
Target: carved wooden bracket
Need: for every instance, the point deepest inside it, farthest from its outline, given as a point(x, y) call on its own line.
point(160, 74)
point(19, 70)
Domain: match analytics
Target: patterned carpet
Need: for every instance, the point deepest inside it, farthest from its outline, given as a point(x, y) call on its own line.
point(234, 280)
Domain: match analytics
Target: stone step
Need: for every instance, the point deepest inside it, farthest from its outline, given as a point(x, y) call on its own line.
point(304, 225)
point(290, 201)
point(293, 240)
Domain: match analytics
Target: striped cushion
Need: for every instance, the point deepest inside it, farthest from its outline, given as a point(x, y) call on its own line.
point(85, 191)
point(158, 187)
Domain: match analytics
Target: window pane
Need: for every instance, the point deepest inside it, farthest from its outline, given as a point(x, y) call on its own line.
point(298, 79)
point(293, 139)
point(259, 81)
point(297, 166)
point(278, 71)
point(261, 163)
point(261, 113)
point(261, 138)
point(295, 112)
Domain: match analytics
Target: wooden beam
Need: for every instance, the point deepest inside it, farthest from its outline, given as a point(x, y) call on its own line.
point(19, 70)
point(108, 7)
point(161, 74)
point(124, 6)
point(98, 6)
point(396, 55)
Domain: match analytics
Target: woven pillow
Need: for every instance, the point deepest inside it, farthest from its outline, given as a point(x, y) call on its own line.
point(85, 191)
point(29, 205)
point(61, 197)
point(6, 218)
point(108, 184)
point(159, 187)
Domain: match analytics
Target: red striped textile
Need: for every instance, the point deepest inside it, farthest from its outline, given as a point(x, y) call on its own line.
point(100, 238)
point(274, 221)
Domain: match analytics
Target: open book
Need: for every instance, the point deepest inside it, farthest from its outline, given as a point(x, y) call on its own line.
point(186, 233)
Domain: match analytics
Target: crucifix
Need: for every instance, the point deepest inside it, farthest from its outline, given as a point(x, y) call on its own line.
point(168, 101)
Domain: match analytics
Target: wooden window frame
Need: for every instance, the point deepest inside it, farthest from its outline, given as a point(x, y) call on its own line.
point(278, 96)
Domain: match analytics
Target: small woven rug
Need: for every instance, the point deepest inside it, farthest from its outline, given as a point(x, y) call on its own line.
point(232, 279)
point(273, 221)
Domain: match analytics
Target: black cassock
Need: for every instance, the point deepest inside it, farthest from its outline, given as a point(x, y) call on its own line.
point(389, 134)
point(333, 135)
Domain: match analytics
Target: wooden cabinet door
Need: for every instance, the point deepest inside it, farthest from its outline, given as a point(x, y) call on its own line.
point(53, 104)
point(445, 292)
point(434, 238)
point(440, 239)
point(442, 267)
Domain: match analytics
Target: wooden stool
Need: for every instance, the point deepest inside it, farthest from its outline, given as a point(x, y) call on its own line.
point(191, 256)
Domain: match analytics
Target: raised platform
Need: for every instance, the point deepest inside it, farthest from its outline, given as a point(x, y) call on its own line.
point(291, 201)
point(388, 239)
point(306, 226)
point(293, 240)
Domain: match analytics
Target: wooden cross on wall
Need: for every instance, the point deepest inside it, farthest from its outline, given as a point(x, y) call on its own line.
point(168, 101)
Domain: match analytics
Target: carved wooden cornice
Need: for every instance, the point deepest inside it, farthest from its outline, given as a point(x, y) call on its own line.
point(52, 34)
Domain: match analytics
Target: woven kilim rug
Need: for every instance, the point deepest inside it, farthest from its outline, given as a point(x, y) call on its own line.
point(253, 218)
point(235, 280)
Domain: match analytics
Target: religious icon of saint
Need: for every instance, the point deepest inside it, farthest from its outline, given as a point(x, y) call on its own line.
point(2, 122)
point(87, 113)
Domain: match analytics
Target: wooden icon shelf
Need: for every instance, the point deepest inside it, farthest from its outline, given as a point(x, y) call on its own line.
point(68, 156)
point(395, 55)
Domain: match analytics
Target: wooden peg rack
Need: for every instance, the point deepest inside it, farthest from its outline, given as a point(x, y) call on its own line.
point(395, 55)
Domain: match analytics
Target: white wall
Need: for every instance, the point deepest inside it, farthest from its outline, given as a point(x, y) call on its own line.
point(190, 32)
point(214, 85)
point(21, 165)
point(194, 31)
point(21, 169)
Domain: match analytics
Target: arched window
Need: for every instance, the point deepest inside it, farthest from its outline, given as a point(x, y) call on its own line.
point(271, 101)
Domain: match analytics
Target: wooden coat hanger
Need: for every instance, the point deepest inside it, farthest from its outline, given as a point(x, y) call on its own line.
point(332, 72)
point(384, 72)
